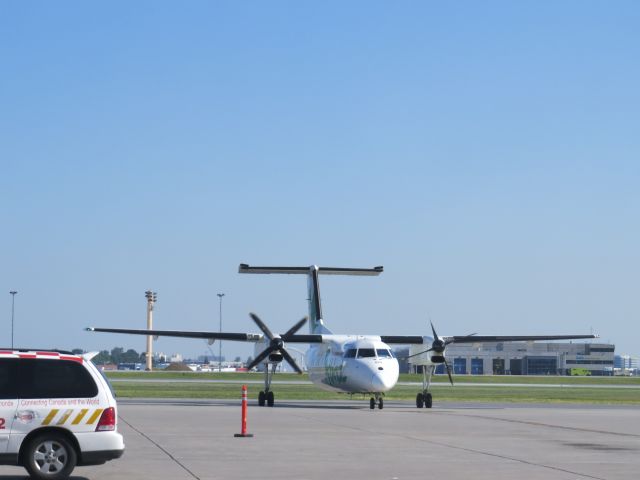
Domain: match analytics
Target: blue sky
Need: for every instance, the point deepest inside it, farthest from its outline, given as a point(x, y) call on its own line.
point(486, 153)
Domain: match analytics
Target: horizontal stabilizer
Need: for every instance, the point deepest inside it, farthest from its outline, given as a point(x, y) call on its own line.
point(244, 268)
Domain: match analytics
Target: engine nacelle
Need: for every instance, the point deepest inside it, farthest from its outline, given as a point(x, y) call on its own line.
point(418, 353)
point(275, 357)
point(437, 358)
point(259, 347)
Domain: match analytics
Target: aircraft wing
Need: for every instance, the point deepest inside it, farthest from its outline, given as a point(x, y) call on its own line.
point(238, 337)
point(402, 339)
point(413, 339)
point(389, 339)
point(512, 338)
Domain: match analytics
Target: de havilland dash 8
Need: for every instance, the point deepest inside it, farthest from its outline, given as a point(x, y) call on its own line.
point(353, 364)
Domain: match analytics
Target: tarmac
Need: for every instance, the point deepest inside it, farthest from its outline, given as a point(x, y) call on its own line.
point(178, 439)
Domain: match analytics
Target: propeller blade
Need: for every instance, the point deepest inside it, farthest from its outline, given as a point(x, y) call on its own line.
point(438, 344)
point(446, 365)
point(276, 343)
point(290, 360)
point(433, 329)
point(295, 328)
point(265, 353)
point(261, 325)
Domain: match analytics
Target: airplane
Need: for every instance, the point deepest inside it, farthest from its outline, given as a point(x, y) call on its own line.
point(352, 364)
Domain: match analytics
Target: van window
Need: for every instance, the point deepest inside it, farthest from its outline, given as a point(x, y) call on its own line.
point(55, 379)
point(104, 376)
point(366, 353)
point(9, 378)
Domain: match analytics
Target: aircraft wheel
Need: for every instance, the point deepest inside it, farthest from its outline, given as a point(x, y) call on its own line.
point(420, 400)
point(270, 399)
point(380, 403)
point(261, 398)
point(372, 403)
point(428, 400)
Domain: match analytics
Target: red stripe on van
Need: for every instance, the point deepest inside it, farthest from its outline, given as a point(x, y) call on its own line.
point(73, 359)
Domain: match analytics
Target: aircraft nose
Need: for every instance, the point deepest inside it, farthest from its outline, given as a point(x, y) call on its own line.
point(382, 381)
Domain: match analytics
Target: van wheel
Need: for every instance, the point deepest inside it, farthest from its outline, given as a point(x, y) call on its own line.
point(50, 456)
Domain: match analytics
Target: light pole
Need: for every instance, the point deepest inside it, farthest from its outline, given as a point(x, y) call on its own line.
point(151, 299)
point(220, 295)
point(13, 298)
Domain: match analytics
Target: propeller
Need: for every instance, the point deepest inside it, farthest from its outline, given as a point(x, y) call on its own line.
point(276, 343)
point(438, 346)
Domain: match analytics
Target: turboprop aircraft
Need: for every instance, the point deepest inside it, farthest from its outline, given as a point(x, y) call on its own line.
point(353, 364)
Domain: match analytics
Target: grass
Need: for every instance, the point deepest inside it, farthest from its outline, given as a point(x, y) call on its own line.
point(488, 379)
point(475, 393)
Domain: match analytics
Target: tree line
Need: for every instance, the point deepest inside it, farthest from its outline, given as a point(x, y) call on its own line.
point(119, 355)
point(116, 355)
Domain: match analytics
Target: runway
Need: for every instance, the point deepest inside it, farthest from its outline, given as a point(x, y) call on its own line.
point(191, 439)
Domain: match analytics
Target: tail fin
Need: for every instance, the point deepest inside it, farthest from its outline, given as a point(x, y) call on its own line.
point(316, 325)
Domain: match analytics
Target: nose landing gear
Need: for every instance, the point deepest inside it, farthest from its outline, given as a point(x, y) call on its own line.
point(376, 399)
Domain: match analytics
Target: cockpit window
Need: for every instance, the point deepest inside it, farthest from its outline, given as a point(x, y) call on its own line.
point(384, 353)
point(366, 353)
point(350, 353)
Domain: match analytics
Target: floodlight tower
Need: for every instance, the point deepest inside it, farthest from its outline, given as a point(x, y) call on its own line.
point(13, 298)
point(220, 295)
point(151, 299)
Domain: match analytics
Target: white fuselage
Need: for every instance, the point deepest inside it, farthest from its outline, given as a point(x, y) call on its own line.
point(352, 364)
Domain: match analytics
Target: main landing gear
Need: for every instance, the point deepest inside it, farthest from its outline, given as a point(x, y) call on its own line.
point(266, 396)
point(377, 399)
point(272, 355)
point(424, 398)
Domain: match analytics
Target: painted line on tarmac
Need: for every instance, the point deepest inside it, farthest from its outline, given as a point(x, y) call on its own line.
point(162, 449)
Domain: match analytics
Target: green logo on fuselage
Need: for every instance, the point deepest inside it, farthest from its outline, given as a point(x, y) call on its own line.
point(333, 373)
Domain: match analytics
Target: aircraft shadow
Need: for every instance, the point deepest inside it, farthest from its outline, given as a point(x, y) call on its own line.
point(251, 404)
point(316, 406)
point(319, 405)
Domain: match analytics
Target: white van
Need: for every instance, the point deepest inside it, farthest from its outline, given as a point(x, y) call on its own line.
point(57, 411)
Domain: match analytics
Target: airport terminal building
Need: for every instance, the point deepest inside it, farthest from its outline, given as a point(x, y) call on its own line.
point(529, 358)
